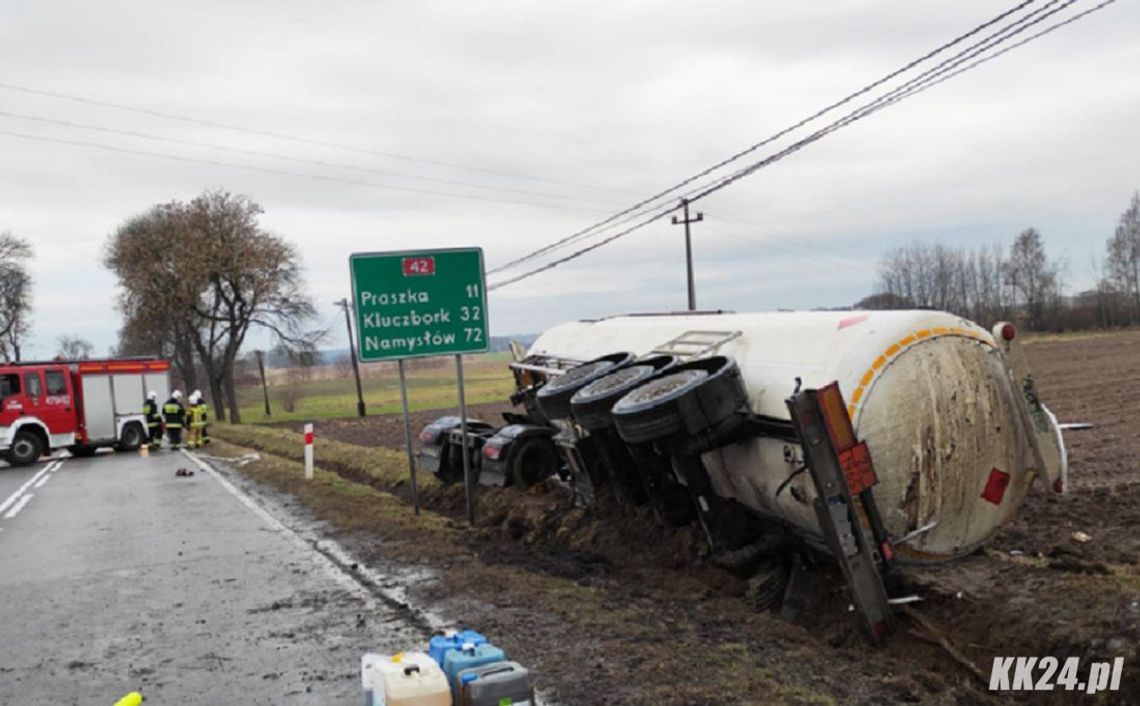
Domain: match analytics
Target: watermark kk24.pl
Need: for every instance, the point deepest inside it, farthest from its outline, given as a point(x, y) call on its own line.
point(1050, 674)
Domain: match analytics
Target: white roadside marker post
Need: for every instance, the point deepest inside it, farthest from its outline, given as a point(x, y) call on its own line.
point(308, 452)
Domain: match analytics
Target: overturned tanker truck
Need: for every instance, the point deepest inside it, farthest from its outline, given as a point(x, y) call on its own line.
point(692, 413)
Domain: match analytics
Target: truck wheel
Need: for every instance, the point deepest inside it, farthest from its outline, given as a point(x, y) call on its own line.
point(26, 448)
point(591, 405)
point(691, 399)
point(132, 438)
point(534, 461)
point(554, 397)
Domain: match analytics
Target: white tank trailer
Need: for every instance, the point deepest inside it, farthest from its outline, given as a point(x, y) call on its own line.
point(947, 409)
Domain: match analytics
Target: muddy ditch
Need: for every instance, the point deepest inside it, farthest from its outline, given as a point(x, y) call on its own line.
point(614, 608)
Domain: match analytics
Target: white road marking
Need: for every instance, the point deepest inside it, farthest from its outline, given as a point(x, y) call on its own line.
point(19, 506)
point(334, 572)
point(14, 496)
point(43, 480)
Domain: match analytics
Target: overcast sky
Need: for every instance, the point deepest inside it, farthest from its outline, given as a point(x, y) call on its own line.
point(591, 104)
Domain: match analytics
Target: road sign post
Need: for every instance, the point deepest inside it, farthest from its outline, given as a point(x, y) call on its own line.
point(413, 304)
point(408, 436)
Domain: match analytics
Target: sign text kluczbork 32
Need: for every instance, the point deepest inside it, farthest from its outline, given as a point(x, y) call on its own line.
point(419, 303)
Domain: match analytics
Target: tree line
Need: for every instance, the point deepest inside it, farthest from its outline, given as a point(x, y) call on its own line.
point(989, 283)
point(196, 278)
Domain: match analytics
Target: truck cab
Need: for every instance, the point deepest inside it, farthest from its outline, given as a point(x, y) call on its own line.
point(37, 411)
point(78, 406)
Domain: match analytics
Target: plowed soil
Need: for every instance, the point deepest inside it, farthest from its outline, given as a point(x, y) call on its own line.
point(648, 609)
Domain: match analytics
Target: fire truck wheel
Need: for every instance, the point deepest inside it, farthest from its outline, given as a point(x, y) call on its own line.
point(592, 404)
point(26, 448)
point(554, 397)
point(696, 396)
point(132, 438)
point(534, 461)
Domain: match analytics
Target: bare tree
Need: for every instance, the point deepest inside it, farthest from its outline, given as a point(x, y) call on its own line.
point(1032, 278)
point(15, 294)
point(75, 348)
point(1123, 257)
point(200, 276)
point(157, 299)
point(253, 280)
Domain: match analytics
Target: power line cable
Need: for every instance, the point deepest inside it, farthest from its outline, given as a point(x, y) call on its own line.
point(292, 138)
point(716, 185)
point(823, 111)
point(285, 172)
point(798, 252)
point(298, 160)
point(763, 232)
point(920, 83)
point(889, 99)
point(986, 42)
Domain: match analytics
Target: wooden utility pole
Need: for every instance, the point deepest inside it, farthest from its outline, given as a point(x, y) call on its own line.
point(689, 250)
point(264, 387)
point(343, 303)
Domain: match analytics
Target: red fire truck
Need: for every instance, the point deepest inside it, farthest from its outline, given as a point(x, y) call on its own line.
point(79, 406)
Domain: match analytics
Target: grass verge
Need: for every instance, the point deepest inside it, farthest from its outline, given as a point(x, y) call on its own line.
point(633, 651)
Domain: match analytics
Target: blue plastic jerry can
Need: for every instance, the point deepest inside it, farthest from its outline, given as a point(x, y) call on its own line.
point(452, 640)
point(469, 657)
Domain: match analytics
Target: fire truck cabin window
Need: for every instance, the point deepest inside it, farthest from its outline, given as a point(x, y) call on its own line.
point(55, 383)
point(9, 385)
point(32, 385)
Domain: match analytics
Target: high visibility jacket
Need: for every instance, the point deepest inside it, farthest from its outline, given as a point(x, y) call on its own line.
point(150, 409)
point(174, 414)
point(199, 414)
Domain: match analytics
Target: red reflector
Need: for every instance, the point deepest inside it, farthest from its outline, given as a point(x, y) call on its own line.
point(1058, 486)
point(492, 452)
point(835, 417)
point(1008, 332)
point(308, 438)
point(995, 486)
point(880, 630)
point(857, 469)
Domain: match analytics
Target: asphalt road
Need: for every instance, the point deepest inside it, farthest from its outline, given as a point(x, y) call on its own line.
point(117, 575)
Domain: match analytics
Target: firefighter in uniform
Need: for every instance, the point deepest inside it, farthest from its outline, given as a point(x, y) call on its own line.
point(195, 421)
point(204, 418)
point(174, 414)
point(153, 420)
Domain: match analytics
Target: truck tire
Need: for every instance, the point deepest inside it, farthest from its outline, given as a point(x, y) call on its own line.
point(554, 397)
point(535, 460)
point(689, 400)
point(132, 438)
point(26, 448)
point(591, 405)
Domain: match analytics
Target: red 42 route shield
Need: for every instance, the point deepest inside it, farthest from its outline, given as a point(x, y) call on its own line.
point(410, 304)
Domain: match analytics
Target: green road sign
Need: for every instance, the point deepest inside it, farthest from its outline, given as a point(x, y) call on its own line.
point(419, 303)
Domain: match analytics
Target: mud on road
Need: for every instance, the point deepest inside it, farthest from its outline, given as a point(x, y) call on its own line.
point(616, 609)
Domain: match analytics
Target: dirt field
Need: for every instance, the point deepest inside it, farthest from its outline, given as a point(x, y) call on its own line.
point(614, 609)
